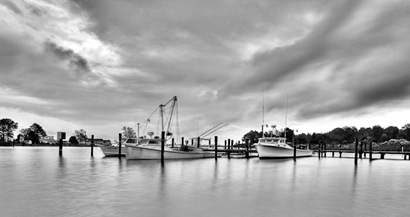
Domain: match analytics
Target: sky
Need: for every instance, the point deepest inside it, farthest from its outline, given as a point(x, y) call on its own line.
point(310, 65)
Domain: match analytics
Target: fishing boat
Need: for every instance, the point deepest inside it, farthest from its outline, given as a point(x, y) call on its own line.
point(112, 151)
point(150, 148)
point(276, 147)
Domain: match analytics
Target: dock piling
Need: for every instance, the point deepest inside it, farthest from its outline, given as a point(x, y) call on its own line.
point(162, 146)
point(119, 145)
point(92, 145)
point(355, 150)
point(370, 151)
point(198, 140)
point(229, 148)
point(216, 147)
point(60, 147)
point(247, 148)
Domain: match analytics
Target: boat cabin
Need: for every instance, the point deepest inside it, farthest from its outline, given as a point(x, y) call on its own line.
point(273, 140)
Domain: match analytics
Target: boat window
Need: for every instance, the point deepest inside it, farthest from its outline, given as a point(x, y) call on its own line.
point(131, 141)
point(152, 142)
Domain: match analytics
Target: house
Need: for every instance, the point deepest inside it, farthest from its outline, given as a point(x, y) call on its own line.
point(98, 142)
point(48, 140)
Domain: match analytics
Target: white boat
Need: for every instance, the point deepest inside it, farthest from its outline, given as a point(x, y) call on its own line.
point(276, 147)
point(112, 151)
point(150, 148)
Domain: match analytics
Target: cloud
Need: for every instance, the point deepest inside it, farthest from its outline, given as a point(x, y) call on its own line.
point(76, 61)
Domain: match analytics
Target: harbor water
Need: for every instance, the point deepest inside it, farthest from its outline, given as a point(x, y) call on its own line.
point(35, 181)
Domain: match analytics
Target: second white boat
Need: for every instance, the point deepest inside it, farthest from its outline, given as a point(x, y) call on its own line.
point(276, 147)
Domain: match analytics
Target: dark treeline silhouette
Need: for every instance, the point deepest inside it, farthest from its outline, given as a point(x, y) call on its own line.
point(342, 137)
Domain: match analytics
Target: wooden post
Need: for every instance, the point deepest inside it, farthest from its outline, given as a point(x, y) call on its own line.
point(361, 149)
point(192, 141)
point(60, 147)
point(382, 155)
point(119, 145)
point(225, 145)
point(216, 147)
point(172, 143)
point(229, 148)
point(370, 150)
point(294, 148)
point(247, 148)
point(355, 150)
point(333, 154)
point(162, 146)
point(198, 140)
point(182, 141)
point(319, 151)
point(324, 147)
point(92, 145)
point(340, 154)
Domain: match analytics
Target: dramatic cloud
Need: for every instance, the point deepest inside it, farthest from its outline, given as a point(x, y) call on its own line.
point(100, 65)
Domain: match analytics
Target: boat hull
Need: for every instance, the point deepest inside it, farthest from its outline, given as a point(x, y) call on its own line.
point(154, 153)
point(112, 151)
point(271, 151)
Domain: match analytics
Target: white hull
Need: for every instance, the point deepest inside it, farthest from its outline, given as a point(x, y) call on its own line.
point(111, 151)
point(154, 153)
point(272, 151)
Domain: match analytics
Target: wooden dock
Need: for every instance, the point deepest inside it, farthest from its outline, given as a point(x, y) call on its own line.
point(362, 154)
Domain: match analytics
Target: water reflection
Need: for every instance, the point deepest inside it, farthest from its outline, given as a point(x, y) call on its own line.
point(202, 187)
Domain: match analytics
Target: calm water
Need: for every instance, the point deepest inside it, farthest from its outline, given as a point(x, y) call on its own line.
point(36, 182)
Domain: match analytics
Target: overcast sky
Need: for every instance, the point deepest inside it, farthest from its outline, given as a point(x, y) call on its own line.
point(99, 65)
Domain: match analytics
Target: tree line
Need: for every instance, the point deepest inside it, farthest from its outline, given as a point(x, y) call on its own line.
point(339, 135)
point(36, 132)
point(33, 133)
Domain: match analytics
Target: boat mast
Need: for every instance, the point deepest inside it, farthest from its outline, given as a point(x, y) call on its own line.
point(286, 115)
point(263, 110)
point(161, 113)
point(174, 102)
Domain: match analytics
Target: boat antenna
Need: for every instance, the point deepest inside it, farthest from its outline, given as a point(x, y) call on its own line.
point(286, 114)
point(263, 109)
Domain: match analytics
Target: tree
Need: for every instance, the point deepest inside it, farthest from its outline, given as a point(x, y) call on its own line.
point(24, 132)
point(128, 132)
point(81, 135)
point(37, 129)
point(391, 132)
point(73, 140)
point(405, 132)
point(34, 133)
point(253, 136)
point(377, 133)
point(350, 134)
point(35, 138)
point(7, 126)
point(337, 135)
